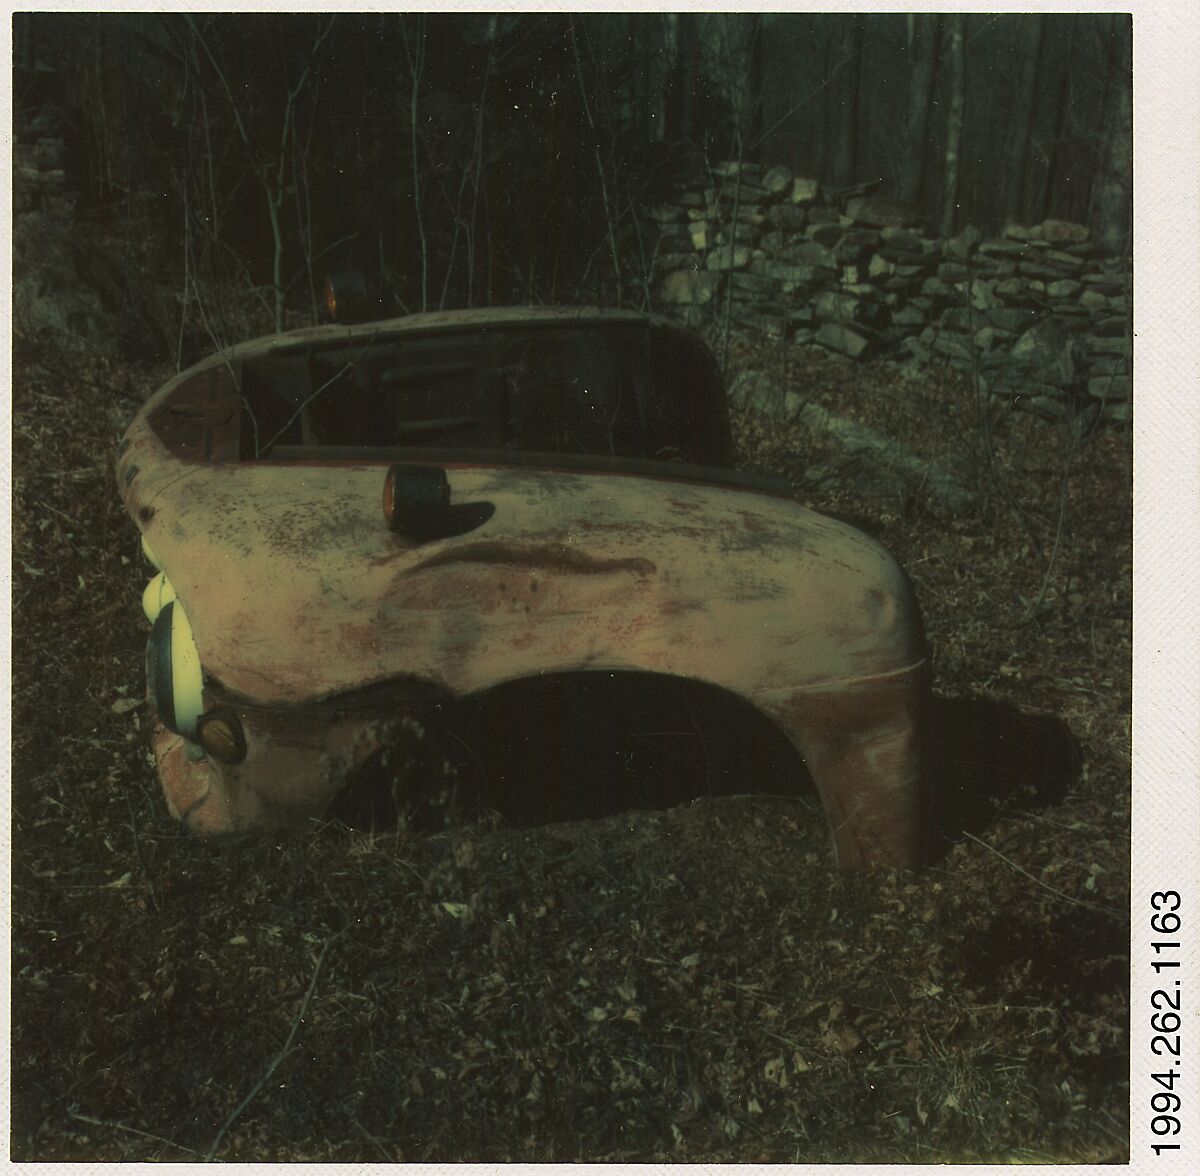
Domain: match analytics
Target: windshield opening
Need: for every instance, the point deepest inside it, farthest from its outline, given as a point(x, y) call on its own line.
point(625, 390)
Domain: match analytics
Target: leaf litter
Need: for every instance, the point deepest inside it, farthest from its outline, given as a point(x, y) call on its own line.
point(696, 984)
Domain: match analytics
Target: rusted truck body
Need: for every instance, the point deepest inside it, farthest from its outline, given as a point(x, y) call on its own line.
point(354, 523)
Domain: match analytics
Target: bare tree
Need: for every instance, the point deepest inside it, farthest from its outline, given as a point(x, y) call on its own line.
point(1053, 148)
point(954, 119)
point(416, 67)
point(845, 120)
point(685, 68)
point(1024, 110)
point(752, 134)
point(1113, 196)
point(504, 159)
point(271, 163)
point(922, 53)
point(601, 171)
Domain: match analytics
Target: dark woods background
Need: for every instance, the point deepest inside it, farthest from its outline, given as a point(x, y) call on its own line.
point(472, 159)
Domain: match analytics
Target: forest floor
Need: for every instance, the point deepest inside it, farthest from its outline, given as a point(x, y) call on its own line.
point(694, 984)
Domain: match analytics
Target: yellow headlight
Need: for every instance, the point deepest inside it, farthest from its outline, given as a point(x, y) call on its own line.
point(173, 671)
point(186, 675)
point(148, 552)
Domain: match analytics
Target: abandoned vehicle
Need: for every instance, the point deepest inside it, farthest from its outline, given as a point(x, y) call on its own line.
point(355, 526)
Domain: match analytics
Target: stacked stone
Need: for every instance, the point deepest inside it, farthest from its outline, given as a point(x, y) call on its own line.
point(50, 290)
point(1041, 314)
point(39, 177)
point(745, 233)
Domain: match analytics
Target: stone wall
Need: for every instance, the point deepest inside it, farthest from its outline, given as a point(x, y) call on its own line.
point(49, 293)
point(67, 282)
point(1041, 314)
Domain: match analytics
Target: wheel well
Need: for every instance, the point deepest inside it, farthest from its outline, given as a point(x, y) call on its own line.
point(572, 746)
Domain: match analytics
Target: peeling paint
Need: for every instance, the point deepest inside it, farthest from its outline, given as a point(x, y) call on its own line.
point(299, 596)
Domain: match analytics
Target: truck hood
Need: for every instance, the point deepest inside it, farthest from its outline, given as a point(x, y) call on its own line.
point(297, 590)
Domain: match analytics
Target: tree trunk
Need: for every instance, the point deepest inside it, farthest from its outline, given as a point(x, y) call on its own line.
point(1046, 205)
point(687, 71)
point(1021, 125)
point(754, 88)
point(663, 68)
point(634, 104)
point(275, 209)
point(821, 33)
point(954, 119)
point(923, 56)
point(1114, 196)
point(845, 147)
point(416, 63)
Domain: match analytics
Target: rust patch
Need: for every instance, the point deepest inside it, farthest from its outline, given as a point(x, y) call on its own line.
point(861, 741)
point(556, 556)
point(678, 608)
point(753, 589)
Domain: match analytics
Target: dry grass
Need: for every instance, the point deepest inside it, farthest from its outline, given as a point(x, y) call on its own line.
point(696, 984)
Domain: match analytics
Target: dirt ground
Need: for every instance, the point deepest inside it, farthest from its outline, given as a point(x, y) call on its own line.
point(694, 984)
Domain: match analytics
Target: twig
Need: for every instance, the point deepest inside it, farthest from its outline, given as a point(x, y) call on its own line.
point(229, 367)
point(477, 177)
point(306, 402)
point(1058, 527)
point(733, 236)
point(1095, 906)
point(830, 77)
point(274, 188)
point(608, 217)
point(69, 377)
point(132, 1131)
point(416, 66)
point(287, 1045)
point(187, 252)
point(300, 275)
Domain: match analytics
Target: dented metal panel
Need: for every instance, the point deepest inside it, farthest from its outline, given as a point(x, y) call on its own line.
point(273, 563)
point(297, 592)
